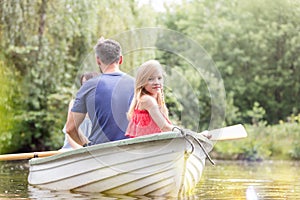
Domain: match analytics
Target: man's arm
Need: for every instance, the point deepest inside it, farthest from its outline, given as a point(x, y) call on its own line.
point(72, 126)
point(75, 145)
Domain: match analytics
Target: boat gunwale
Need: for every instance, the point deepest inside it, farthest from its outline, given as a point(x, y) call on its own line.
point(129, 141)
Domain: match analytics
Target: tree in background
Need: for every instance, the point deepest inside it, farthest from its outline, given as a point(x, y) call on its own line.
point(49, 43)
point(9, 108)
point(255, 46)
point(46, 44)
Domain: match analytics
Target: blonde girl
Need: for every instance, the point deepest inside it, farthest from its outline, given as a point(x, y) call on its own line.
point(148, 113)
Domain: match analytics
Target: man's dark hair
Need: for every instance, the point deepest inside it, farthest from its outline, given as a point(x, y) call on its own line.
point(108, 51)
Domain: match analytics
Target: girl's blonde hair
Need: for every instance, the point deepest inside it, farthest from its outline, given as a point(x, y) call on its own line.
point(143, 74)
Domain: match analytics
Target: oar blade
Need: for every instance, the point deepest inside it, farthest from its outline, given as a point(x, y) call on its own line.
point(228, 133)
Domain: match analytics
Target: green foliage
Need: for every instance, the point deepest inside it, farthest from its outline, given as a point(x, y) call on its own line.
point(174, 107)
point(50, 43)
point(45, 64)
point(9, 97)
point(295, 151)
point(295, 148)
point(279, 141)
point(253, 44)
point(232, 112)
point(257, 114)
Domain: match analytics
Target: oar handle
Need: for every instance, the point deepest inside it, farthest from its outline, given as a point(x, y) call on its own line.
point(24, 156)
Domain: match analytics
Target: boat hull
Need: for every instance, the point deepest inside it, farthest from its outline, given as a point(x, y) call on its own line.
point(161, 164)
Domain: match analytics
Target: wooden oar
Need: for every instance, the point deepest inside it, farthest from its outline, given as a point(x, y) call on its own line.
point(24, 156)
point(228, 133)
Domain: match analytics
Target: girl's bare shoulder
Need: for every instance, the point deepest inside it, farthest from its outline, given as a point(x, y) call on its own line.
point(147, 102)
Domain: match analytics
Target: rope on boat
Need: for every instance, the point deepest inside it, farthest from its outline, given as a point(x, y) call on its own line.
point(185, 134)
point(185, 137)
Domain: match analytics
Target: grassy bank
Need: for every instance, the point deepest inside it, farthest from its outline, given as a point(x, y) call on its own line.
point(276, 142)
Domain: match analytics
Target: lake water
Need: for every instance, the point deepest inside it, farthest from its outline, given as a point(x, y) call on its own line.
point(227, 180)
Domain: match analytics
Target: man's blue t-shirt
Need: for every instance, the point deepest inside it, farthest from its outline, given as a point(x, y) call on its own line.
point(106, 99)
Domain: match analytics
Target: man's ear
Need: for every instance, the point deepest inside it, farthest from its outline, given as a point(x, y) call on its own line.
point(121, 60)
point(98, 61)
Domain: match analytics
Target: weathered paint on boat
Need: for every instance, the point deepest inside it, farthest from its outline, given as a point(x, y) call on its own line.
point(158, 164)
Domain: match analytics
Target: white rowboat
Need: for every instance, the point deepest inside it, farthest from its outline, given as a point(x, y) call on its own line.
point(168, 164)
point(164, 164)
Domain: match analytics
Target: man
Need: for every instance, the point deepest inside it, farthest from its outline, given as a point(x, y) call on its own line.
point(105, 98)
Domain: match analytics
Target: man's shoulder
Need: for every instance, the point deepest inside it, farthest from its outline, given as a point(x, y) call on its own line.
point(88, 86)
point(127, 78)
point(91, 82)
point(130, 78)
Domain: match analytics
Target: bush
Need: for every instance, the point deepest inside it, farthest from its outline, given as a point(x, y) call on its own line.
point(9, 97)
point(280, 141)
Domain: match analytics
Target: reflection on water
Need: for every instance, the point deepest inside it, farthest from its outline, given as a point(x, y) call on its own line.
point(226, 180)
point(265, 180)
point(12, 184)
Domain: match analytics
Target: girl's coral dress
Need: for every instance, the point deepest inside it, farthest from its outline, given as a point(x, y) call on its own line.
point(142, 124)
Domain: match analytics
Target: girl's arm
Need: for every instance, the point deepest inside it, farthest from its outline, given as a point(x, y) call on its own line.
point(149, 103)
